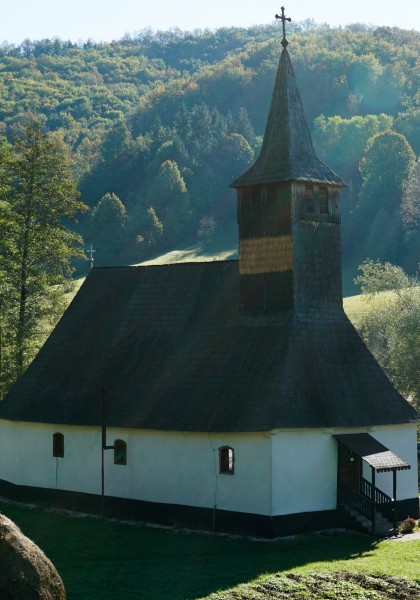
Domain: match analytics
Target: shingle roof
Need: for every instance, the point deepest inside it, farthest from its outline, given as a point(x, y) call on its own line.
point(175, 352)
point(287, 153)
point(373, 452)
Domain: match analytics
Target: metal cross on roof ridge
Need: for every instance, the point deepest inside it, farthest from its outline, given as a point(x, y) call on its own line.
point(283, 18)
point(91, 251)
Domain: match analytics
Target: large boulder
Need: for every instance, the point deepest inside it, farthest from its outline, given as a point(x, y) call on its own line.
point(25, 571)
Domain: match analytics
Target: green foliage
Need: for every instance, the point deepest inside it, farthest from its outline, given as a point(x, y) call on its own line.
point(391, 325)
point(125, 108)
point(384, 167)
point(342, 142)
point(108, 227)
point(410, 207)
point(408, 525)
point(36, 246)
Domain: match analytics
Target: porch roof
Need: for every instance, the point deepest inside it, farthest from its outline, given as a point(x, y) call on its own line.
point(372, 452)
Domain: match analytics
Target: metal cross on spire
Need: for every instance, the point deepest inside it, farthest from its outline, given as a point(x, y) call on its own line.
point(283, 17)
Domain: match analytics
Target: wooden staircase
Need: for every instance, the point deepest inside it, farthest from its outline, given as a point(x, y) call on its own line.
point(370, 509)
point(383, 527)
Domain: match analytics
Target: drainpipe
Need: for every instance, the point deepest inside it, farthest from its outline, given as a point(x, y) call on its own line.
point(104, 447)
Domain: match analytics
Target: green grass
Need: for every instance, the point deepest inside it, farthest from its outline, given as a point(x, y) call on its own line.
point(356, 307)
point(106, 560)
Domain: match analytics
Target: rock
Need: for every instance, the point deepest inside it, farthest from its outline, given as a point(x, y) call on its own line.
point(25, 572)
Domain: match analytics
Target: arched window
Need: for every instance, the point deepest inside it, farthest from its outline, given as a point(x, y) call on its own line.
point(58, 444)
point(227, 460)
point(120, 452)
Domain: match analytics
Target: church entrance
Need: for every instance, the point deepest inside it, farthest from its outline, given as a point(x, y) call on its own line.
point(356, 492)
point(349, 468)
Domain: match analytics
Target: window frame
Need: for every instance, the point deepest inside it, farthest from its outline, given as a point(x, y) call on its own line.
point(118, 444)
point(324, 205)
point(226, 460)
point(309, 201)
point(58, 445)
point(317, 197)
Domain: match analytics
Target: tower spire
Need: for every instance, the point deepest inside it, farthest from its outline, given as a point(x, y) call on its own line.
point(283, 18)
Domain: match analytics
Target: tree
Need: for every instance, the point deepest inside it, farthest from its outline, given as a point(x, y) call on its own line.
point(391, 324)
point(410, 206)
point(169, 196)
point(341, 142)
point(384, 167)
point(36, 246)
point(107, 228)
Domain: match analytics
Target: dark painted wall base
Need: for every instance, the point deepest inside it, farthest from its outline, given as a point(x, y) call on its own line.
point(190, 516)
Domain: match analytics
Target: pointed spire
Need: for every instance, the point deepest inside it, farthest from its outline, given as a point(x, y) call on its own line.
point(287, 153)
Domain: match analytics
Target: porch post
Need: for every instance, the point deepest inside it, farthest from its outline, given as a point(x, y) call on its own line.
point(373, 500)
point(394, 496)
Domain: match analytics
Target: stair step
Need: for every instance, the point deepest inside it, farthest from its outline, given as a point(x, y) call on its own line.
point(382, 525)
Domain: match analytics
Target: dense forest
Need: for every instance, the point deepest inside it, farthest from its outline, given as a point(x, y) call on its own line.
point(157, 125)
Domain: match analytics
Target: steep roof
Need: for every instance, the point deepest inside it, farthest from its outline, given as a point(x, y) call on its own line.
point(287, 153)
point(175, 352)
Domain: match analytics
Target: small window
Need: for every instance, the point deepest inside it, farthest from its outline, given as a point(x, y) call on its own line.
point(227, 460)
point(323, 201)
point(309, 200)
point(120, 452)
point(58, 444)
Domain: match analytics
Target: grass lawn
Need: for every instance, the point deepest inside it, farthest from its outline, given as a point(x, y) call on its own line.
point(106, 560)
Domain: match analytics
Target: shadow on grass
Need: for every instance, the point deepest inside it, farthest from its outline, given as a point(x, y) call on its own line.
point(115, 561)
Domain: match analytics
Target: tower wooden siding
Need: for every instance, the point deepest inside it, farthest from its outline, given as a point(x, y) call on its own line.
point(287, 255)
point(265, 246)
point(317, 281)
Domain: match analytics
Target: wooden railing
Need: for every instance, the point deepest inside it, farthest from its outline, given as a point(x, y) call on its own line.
point(363, 502)
point(384, 503)
point(359, 502)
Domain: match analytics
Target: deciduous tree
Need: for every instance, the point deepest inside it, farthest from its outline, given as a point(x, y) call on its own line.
point(36, 247)
point(391, 323)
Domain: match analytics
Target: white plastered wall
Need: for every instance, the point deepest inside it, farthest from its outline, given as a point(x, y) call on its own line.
point(174, 468)
point(402, 441)
point(304, 471)
point(304, 467)
point(277, 473)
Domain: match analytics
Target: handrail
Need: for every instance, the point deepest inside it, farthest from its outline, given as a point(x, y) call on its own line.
point(359, 502)
point(383, 502)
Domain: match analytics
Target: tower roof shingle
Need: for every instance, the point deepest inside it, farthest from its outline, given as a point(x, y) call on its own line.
point(287, 153)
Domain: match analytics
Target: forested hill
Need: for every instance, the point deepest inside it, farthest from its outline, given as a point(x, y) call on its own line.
point(158, 125)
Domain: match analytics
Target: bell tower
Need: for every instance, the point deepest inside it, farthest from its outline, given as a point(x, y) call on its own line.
point(288, 210)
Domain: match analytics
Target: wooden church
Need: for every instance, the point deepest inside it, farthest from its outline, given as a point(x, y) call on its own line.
point(238, 395)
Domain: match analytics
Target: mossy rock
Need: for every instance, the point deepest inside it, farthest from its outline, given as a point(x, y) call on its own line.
point(25, 572)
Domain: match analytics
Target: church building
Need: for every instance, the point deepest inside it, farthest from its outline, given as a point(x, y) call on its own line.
point(238, 396)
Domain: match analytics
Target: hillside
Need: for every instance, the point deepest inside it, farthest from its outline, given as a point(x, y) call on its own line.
point(161, 124)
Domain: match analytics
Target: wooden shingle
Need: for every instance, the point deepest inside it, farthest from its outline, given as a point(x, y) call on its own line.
point(175, 352)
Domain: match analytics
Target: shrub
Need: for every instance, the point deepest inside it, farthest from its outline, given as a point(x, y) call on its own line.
point(408, 525)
